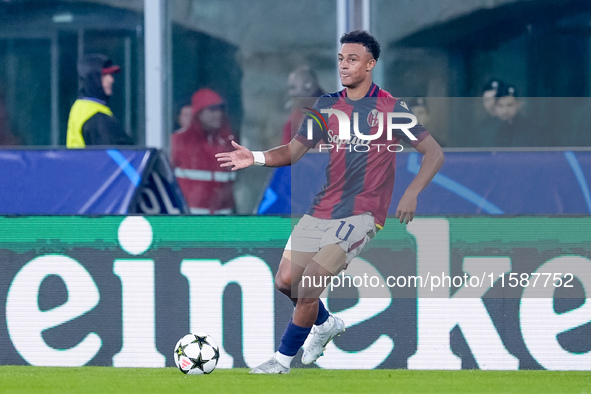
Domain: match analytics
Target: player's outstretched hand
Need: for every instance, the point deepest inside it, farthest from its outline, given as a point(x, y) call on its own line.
point(240, 158)
point(406, 208)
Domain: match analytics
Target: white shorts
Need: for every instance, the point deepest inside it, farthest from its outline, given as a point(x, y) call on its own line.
point(351, 233)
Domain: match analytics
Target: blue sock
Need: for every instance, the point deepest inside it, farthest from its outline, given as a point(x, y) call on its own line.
point(293, 338)
point(322, 314)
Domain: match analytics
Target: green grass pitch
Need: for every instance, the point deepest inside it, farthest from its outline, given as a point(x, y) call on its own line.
point(88, 380)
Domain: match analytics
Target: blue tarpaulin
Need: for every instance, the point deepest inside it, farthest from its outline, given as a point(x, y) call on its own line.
point(469, 183)
point(87, 181)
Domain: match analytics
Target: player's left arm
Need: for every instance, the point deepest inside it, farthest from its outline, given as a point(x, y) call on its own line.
point(432, 162)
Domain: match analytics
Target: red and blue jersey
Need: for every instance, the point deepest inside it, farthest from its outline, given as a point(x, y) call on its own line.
point(360, 173)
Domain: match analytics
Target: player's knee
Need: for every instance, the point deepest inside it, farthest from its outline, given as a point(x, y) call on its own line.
point(283, 283)
point(283, 278)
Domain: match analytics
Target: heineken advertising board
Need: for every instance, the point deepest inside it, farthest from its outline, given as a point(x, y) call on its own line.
point(441, 293)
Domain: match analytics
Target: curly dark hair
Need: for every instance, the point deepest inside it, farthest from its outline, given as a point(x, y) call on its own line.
point(364, 38)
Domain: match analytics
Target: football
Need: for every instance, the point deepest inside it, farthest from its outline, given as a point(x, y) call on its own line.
point(196, 354)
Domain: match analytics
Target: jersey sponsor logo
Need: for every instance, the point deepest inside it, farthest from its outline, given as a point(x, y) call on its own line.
point(333, 137)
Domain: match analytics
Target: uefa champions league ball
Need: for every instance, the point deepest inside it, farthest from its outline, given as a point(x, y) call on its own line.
point(196, 354)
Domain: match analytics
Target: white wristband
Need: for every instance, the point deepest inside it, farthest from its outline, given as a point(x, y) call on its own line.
point(259, 158)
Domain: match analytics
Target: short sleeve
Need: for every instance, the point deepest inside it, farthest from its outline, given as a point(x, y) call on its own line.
point(418, 131)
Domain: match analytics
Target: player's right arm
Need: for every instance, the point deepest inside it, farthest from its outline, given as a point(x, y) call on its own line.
point(280, 156)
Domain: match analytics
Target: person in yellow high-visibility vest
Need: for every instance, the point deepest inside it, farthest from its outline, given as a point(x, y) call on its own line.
point(91, 121)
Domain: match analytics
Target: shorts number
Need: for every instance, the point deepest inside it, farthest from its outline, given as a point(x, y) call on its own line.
point(351, 227)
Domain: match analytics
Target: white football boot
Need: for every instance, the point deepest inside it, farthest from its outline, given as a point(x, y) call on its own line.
point(271, 366)
point(319, 337)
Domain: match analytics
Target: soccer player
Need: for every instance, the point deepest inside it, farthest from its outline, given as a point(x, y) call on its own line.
point(353, 203)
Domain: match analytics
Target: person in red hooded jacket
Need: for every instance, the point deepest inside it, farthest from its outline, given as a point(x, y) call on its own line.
point(207, 188)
